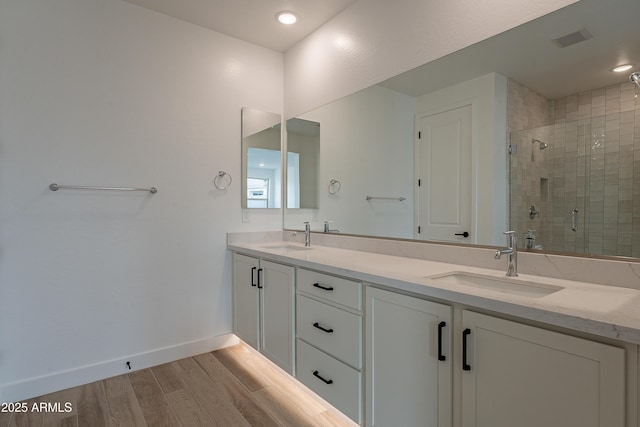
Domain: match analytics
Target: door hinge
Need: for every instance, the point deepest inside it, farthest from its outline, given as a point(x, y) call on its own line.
point(513, 149)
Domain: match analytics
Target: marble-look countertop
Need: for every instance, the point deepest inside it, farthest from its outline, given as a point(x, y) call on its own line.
point(605, 311)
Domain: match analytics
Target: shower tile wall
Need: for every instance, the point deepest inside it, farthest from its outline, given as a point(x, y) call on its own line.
point(592, 165)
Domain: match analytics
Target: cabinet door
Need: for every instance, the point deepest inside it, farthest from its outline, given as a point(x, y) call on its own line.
point(407, 384)
point(278, 292)
point(519, 375)
point(245, 299)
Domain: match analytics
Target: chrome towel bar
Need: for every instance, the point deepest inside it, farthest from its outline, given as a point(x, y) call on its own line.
point(56, 187)
point(400, 199)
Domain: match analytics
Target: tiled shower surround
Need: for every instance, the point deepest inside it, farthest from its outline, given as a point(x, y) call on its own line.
point(591, 165)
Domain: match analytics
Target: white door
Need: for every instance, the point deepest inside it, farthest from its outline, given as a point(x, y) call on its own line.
point(277, 287)
point(519, 375)
point(245, 299)
point(409, 361)
point(444, 173)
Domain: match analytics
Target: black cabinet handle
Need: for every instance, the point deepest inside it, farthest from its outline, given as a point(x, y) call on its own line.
point(441, 356)
point(317, 325)
point(324, 288)
point(464, 234)
point(315, 374)
point(465, 365)
point(253, 276)
point(259, 285)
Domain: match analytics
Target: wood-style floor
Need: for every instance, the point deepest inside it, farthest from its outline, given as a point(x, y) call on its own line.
point(227, 388)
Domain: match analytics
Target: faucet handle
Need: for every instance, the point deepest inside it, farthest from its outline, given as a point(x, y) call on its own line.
point(511, 238)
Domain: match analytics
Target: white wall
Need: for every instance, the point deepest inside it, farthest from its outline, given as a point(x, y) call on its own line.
point(487, 96)
point(376, 39)
point(101, 92)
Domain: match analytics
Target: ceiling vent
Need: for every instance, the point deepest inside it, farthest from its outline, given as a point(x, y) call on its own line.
point(573, 38)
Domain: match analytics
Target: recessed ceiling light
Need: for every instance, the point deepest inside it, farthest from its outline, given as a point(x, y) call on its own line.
point(287, 18)
point(621, 68)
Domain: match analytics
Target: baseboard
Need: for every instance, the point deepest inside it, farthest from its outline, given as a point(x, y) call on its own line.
point(50, 383)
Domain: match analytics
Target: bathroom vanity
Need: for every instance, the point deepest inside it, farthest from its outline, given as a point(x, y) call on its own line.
point(391, 340)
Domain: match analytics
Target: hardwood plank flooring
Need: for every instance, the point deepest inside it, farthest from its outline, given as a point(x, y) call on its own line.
point(228, 388)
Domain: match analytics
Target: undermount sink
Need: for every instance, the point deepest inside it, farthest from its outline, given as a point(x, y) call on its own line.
point(286, 247)
point(506, 285)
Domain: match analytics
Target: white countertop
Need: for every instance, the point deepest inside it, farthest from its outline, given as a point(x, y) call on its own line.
point(606, 311)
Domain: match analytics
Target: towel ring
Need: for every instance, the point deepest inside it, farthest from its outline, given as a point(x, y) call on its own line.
point(220, 182)
point(334, 186)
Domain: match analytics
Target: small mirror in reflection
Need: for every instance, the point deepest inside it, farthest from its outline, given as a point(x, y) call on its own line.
point(303, 151)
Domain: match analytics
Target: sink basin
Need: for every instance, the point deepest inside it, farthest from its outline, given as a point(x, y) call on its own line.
point(286, 247)
point(505, 285)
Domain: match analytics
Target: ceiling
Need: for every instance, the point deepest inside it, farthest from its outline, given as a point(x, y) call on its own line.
point(528, 54)
point(252, 20)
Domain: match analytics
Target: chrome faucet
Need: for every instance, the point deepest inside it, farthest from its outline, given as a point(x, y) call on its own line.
point(307, 234)
point(327, 228)
point(512, 251)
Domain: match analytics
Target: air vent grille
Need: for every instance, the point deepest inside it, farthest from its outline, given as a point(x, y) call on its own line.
point(572, 38)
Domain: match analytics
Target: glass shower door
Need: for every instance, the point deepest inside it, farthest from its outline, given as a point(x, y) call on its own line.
point(574, 183)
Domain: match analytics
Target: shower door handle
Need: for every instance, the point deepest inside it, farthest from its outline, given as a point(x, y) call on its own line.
point(574, 219)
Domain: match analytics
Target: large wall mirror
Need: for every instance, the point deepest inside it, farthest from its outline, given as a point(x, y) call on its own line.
point(530, 130)
point(261, 163)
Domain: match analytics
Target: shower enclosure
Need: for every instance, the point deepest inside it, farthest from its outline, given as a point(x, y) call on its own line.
point(577, 182)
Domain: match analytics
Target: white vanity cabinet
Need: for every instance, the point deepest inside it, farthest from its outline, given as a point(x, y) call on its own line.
point(409, 361)
point(329, 339)
point(519, 375)
point(263, 307)
point(385, 358)
point(511, 374)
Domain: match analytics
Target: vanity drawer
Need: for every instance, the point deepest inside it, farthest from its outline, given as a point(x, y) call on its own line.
point(332, 288)
point(330, 329)
point(344, 391)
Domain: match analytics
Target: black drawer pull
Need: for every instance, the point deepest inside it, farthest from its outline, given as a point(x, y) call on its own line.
point(441, 356)
point(463, 234)
point(465, 365)
point(324, 288)
point(317, 325)
point(315, 374)
point(253, 276)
